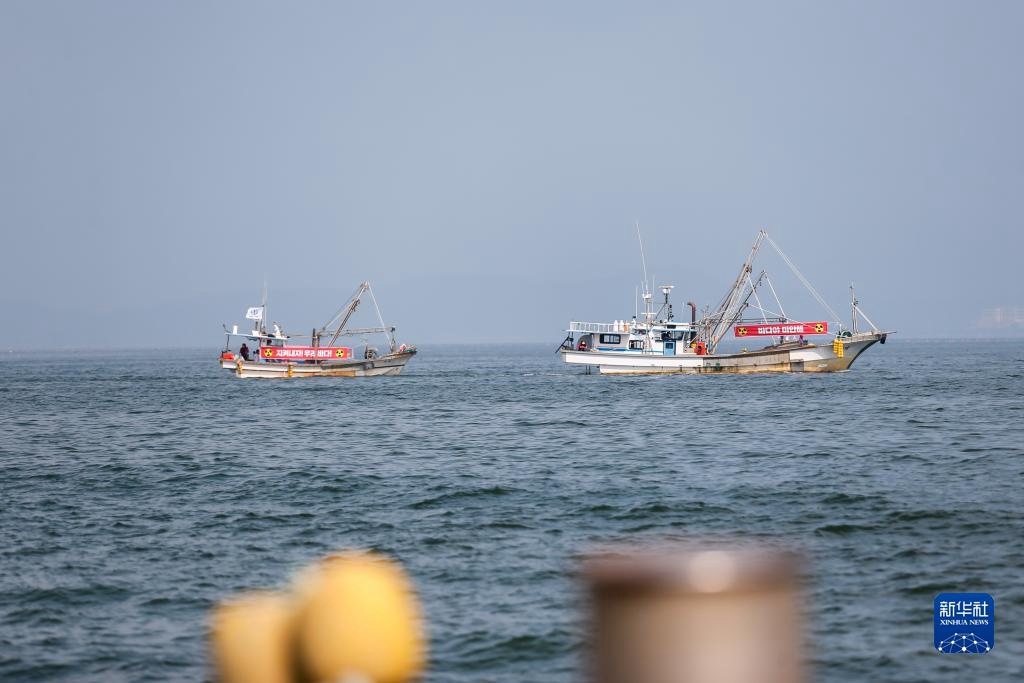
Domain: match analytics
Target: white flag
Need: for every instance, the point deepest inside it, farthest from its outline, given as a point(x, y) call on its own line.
point(255, 313)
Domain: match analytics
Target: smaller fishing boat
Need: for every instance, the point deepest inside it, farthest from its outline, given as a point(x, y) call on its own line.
point(274, 353)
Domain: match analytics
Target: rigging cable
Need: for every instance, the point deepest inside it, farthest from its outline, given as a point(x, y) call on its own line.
point(380, 318)
point(772, 287)
point(799, 275)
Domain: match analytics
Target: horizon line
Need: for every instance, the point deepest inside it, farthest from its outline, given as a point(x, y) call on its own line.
point(197, 347)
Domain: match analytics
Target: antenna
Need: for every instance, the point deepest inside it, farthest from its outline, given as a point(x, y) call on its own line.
point(643, 259)
point(263, 323)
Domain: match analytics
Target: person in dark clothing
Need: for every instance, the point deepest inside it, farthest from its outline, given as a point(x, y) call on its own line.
point(244, 351)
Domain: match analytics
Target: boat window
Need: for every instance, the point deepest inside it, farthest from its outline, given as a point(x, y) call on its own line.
point(611, 339)
point(636, 344)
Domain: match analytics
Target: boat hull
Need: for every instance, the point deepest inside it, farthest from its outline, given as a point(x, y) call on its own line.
point(387, 365)
point(786, 358)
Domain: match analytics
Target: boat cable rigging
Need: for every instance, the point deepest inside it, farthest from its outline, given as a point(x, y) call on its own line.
point(803, 280)
point(753, 290)
point(777, 300)
point(380, 318)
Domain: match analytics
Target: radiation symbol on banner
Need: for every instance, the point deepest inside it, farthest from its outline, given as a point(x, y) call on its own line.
point(340, 353)
point(741, 331)
point(268, 353)
point(819, 327)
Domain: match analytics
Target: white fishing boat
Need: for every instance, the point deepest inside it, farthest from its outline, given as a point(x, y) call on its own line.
point(275, 354)
point(654, 342)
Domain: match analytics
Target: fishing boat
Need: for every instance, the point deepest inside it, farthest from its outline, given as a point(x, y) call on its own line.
point(275, 354)
point(654, 342)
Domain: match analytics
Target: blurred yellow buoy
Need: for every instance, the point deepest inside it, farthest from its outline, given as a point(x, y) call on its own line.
point(358, 619)
point(251, 639)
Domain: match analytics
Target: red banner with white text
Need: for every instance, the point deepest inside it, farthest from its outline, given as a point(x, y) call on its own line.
point(305, 352)
point(780, 329)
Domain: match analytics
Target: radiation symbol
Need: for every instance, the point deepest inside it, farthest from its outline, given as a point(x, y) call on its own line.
point(819, 327)
point(340, 353)
point(268, 352)
point(741, 331)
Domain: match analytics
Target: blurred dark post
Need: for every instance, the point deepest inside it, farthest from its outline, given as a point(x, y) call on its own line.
point(695, 614)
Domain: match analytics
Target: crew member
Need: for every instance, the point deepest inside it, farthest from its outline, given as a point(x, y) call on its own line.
point(244, 351)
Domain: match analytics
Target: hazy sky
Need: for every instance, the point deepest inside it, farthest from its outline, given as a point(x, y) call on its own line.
point(483, 164)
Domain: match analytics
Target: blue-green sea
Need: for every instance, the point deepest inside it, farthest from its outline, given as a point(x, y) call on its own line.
point(139, 488)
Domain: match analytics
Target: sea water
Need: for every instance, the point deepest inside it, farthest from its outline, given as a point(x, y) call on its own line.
point(139, 488)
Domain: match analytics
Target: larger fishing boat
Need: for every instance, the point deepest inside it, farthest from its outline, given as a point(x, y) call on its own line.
point(274, 353)
point(654, 342)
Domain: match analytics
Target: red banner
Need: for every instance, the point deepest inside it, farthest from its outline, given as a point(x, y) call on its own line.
point(305, 352)
point(780, 329)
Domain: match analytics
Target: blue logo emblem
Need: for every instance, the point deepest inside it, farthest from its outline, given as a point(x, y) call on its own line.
point(965, 623)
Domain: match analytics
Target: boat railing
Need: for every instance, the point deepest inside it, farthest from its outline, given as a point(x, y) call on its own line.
point(593, 327)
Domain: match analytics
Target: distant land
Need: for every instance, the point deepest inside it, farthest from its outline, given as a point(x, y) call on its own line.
point(1001, 321)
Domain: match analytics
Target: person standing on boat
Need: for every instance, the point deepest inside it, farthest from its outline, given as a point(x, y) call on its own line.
point(244, 351)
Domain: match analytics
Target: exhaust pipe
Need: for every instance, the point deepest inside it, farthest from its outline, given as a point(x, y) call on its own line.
point(693, 320)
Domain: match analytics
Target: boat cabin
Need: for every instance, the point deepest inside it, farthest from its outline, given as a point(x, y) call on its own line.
point(661, 338)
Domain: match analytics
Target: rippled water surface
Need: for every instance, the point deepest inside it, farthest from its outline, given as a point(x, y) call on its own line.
point(138, 489)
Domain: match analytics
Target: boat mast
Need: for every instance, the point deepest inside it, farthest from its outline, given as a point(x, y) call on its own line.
point(859, 312)
point(345, 313)
point(739, 309)
point(724, 315)
point(853, 309)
